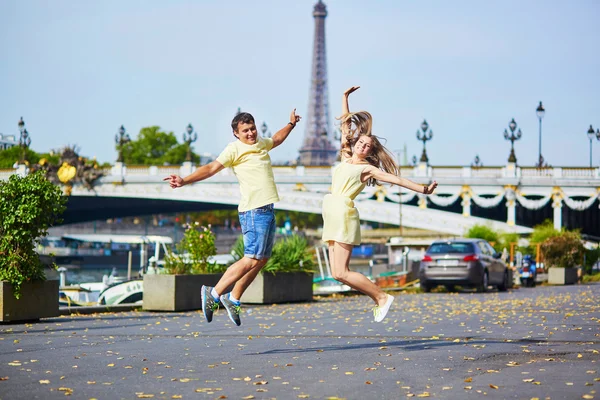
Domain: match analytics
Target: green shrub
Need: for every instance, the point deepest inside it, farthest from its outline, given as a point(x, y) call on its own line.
point(193, 252)
point(29, 205)
point(564, 251)
point(290, 254)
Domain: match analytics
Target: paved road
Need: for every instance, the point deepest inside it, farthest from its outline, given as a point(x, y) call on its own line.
point(526, 343)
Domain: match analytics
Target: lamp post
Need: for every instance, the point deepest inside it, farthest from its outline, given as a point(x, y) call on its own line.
point(540, 111)
point(424, 135)
point(477, 162)
point(24, 140)
point(512, 125)
point(189, 136)
point(265, 130)
point(414, 160)
point(398, 154)
point(121, 138)
point(591, 134)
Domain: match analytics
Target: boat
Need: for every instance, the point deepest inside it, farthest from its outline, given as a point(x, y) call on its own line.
point(99, 251)
point(127, 292)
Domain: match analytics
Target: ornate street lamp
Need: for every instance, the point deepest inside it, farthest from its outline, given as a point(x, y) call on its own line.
point(24, 140)
point(424, 135)
point(414, 160)
point(591, 135)
point(512, 125)
point(189, 136)
point(265, 130)
point(540, 111)
point(121, 138)
point(477, 162)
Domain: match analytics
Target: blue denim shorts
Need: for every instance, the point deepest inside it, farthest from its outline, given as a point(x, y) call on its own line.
point(258, 228)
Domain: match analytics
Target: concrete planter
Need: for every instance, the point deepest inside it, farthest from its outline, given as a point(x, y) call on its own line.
point(38, 300)
point(283, 287)
point(562, 276)
point(175, 292)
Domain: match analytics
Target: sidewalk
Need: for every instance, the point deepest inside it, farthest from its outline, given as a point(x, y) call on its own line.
point(540, 343)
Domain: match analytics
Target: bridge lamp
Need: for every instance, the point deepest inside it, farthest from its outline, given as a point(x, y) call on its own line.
point(265, 130)
point(121, 138)
point(540, 111)
point(189, 136)
point(24, 140)
point(513, 136)
point(591, 134)
point(477, 162)
point(424, 135)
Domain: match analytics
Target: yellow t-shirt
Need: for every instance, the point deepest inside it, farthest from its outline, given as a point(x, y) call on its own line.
point(251, 165)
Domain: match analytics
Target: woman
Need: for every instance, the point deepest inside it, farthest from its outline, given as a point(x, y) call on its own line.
point(364, 161)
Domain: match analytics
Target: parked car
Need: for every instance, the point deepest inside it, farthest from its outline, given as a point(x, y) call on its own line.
point(464, 262)
point(528, 271)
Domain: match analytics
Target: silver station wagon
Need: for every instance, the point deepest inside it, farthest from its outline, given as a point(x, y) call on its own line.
point(464, 262)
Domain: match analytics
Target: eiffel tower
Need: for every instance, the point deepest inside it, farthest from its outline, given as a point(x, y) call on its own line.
point(318, 147)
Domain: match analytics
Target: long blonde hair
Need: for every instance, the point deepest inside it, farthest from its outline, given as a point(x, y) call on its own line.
point(357, 124)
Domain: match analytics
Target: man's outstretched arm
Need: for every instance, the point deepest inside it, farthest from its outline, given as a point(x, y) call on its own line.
point(283, 133)
point(200, 174)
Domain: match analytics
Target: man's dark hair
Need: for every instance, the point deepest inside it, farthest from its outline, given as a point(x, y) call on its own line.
point(244, 118)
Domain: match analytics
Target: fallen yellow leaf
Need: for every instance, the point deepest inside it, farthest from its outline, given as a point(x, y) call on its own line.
point(493, 386)
point(44, 381)
point(469, 379)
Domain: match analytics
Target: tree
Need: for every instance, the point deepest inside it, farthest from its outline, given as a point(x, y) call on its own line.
point(542, 232)
point(11, 155)
point(155, 147)
point(483, 232)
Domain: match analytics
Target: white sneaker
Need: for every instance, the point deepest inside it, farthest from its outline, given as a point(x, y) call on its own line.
point(379, 313)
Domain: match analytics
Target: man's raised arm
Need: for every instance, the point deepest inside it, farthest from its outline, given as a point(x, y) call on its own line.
point(200, 174)
point(283, 133)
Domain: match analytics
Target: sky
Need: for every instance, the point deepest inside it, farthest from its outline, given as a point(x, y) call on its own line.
point(78, 70)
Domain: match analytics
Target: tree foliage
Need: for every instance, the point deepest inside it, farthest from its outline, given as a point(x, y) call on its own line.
point(543, 231)
point(564, 250)
point(155, 147)
point(28, 207)
point(10, 156)
point(483, 232)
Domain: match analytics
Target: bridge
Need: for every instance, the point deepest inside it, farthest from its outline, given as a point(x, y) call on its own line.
point(509, 198)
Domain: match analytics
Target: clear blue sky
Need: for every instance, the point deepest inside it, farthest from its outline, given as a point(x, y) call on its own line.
point(77, 70)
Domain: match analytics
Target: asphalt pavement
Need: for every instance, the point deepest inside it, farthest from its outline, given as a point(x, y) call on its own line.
point(542, 342)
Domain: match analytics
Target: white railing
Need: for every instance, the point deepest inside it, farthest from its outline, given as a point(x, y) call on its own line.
point(486, 172)
point(421, 171)
point(532, 172)
point(446, 172)
point(5, 173)
point(575, 172)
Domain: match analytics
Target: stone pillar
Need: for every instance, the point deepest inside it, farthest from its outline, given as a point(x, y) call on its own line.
point(510, 171)
point(557, 210)
point(118, 169)
point(466, 201)
point(511, 204)
point(21, 170)
point(187, 168)
point(422, 200)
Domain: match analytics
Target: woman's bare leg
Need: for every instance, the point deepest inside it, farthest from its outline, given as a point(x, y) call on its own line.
point(339, 259)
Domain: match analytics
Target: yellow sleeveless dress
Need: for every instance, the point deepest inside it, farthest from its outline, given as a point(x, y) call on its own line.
point(340, 218)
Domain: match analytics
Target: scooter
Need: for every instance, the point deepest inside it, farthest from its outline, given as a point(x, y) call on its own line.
point(527, 272)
